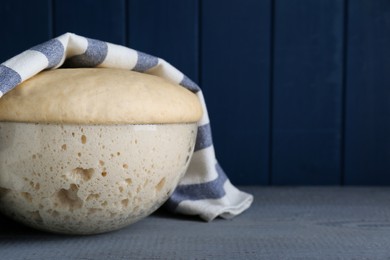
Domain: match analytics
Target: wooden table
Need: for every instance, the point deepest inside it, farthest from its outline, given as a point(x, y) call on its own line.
point(283, 223)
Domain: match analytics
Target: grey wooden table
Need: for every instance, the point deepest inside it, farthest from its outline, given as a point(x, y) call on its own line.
point(283, 223)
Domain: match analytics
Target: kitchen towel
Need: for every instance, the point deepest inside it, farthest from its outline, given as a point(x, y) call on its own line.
point(205, 189)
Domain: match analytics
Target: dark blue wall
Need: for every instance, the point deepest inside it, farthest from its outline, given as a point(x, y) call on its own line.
point(298, 90)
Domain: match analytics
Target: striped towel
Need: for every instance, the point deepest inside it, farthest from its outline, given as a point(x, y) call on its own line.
point(204, 190)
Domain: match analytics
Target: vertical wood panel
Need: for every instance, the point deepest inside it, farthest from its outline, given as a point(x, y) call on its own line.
point(24, 24)
point(167, 29)
point(228, 52)
point(367, 146)
point(235, 44)
point(102, 20)
point(308, 54)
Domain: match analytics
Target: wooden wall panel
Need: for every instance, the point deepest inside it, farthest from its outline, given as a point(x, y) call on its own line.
point(297, 90)
point(307, 92)
point(166, 29)
point(367, 131)
point(235, 73)
point(24, 24)
point(103, 20)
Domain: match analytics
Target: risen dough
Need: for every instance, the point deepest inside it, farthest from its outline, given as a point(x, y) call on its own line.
point(99, 96)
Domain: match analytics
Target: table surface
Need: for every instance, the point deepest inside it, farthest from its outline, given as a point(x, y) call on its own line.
point(283, 223)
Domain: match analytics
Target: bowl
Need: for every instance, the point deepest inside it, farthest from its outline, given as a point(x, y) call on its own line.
point(86, 179)
point(86, 151)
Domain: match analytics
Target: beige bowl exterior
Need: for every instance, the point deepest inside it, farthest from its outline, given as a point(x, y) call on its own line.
point(87, 179)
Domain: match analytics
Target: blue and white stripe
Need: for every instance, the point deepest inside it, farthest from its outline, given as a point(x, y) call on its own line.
point(205, 189)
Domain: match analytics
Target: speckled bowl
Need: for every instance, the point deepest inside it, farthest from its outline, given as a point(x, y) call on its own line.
point(86, 179)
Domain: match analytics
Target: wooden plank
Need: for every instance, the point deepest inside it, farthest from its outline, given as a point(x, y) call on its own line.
point(102, 20)
point(235, 44)
point(367, 129)
point(307, 94)
point(166, 29)
point(24, 24)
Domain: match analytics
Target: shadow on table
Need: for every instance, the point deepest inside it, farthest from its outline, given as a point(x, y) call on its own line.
point(13, 230)
point(166, 214)
point(11, 227)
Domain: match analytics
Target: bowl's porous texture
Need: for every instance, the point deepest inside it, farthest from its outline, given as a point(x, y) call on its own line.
point(87, 179)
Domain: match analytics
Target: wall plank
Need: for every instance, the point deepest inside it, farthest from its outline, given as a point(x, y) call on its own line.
point(166, 29)
point(235, 44)
point(21, 27)
point(307, 94)
point(367, 129)
point(287, 99)
point(102, 20)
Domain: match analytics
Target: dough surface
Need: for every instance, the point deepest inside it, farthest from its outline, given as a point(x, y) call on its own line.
point(99, 96)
